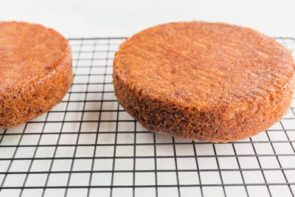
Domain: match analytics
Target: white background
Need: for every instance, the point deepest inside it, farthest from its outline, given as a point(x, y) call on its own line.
point(78, 18)
point(91, 18)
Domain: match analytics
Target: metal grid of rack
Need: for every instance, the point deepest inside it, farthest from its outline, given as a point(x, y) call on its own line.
point(88, 145)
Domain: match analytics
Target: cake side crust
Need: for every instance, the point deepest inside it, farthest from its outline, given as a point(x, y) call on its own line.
point(219, 124)
point(18, 105)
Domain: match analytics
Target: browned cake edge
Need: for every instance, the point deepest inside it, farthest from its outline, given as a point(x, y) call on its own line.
point(18, 105)
point(212, 125)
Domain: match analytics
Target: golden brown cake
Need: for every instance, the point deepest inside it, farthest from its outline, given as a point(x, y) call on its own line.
point(35, 71)
point(208, 81)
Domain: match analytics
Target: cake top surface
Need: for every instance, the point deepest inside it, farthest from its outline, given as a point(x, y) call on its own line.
point(28, 51)
point(204, 63)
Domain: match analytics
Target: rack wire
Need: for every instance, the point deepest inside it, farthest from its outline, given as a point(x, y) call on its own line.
point(88, 145)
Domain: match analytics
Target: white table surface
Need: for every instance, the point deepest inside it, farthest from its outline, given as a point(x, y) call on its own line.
point(77, 18)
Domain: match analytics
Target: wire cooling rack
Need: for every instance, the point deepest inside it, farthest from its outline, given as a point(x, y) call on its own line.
point(89, 146)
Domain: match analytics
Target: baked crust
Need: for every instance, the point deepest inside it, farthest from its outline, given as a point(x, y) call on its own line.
point(208, 81)
point(35, 71)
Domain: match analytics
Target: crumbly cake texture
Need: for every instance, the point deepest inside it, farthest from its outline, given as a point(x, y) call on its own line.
point(35, 71)
point(207, 81)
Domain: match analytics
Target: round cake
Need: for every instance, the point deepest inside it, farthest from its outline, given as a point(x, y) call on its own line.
point(207, 81)
point(35, 71)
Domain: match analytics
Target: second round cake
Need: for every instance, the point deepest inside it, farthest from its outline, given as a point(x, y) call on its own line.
point(206, 81)
point(35, 71)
